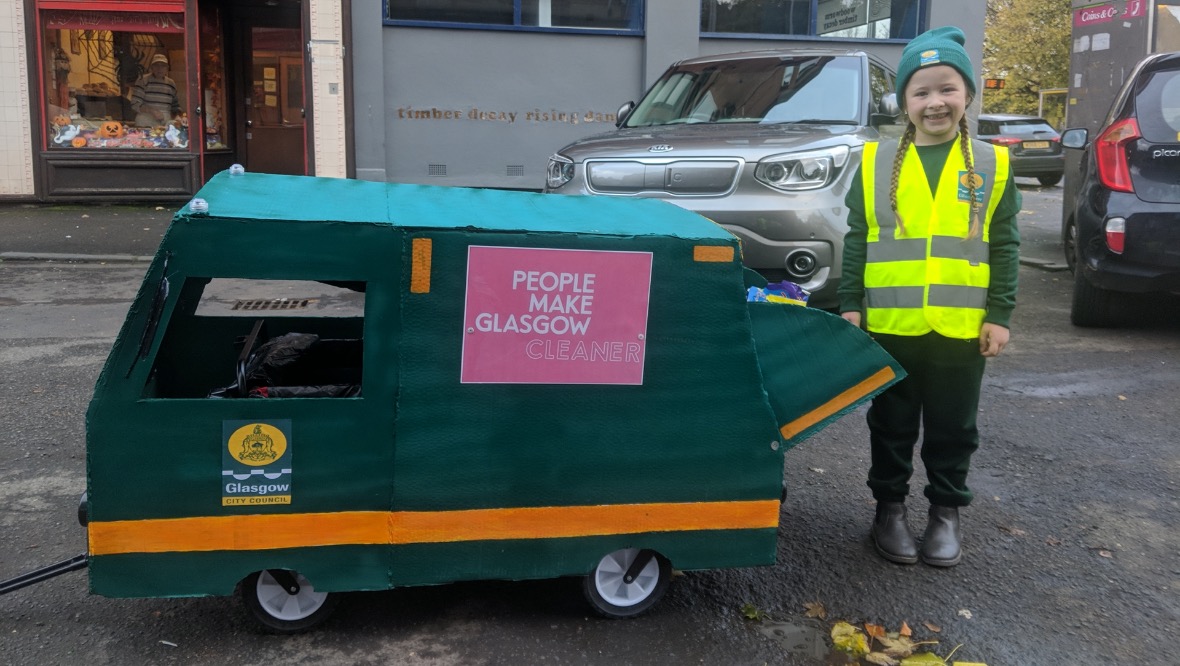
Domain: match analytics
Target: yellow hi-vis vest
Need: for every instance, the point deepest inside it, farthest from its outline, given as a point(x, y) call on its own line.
point(929, 276)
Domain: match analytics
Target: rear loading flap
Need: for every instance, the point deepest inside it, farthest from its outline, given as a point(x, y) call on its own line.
point(816, 366)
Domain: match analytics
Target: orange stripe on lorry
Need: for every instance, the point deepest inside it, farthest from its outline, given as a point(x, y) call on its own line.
point(833, 406)
point(264, 532)
point(712, 253)
point(420, 259)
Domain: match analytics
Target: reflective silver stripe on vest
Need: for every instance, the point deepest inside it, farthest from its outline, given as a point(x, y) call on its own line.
point(941, 295)
point(883, 164)
point(973, 250)
point(894, 297)
point(953, 296)
point(905, 249)
point(984, 155)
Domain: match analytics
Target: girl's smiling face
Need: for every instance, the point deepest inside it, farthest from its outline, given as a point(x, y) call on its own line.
point(935, 100)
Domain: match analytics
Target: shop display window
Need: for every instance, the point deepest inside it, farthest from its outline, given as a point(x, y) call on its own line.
point(213, 81)
point(114, 80)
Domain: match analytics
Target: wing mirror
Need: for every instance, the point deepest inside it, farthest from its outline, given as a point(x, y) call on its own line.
point(1074, 138)
point(888, 111)
point(624, 111)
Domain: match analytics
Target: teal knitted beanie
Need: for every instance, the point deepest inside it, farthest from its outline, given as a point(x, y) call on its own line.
point(940, 46)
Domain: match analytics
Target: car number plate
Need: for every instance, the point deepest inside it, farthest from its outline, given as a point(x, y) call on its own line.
point(1035, 144)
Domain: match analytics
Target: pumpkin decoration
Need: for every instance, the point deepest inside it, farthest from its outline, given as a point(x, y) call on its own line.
point(79, 142)
point(110, 129)
point(61, 120)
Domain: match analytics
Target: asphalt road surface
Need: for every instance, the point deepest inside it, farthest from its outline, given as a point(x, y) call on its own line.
point(1070, 546)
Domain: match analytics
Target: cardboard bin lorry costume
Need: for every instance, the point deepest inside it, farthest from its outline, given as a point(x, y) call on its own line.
point(536, 386)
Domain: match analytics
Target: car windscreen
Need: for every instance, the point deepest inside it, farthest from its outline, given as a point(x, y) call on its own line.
point(815, 89)
point(1025, 127)
point(1157, 107)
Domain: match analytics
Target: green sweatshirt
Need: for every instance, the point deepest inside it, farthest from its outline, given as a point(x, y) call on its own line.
point(1003, 245)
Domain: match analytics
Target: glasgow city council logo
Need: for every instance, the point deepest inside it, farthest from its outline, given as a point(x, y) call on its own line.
point(256, 463)
point(257, 444)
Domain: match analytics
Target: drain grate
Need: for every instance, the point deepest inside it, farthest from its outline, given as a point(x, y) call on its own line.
point(274, 304)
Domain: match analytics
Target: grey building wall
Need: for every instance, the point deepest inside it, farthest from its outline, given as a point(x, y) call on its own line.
point(486, 108)
point(368, 89)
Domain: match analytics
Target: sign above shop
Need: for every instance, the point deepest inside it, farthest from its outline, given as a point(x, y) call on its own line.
point(115, 21)
point(835, 15)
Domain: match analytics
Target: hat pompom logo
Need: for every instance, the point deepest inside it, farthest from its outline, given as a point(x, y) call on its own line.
point(928, 57)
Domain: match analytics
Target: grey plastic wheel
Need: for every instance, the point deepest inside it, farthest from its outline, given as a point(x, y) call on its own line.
point(627, 582)
point(285, 602)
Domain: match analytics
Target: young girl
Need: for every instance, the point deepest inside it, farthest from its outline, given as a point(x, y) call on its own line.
point(930, 264)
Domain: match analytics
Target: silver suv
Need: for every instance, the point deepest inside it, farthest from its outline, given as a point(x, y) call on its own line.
point(764, 143)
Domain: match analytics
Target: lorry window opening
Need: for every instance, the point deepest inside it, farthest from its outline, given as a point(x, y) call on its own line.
point(232, 338)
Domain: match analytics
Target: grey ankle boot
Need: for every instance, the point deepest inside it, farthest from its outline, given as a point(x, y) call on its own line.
point(891, 534)
point(941, 547)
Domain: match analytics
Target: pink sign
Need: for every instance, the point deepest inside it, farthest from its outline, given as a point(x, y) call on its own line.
point(1094, 14)
point(1135, 9)
point(546, 316)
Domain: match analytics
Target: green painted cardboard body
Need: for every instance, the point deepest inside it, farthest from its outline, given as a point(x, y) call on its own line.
point(702, 430)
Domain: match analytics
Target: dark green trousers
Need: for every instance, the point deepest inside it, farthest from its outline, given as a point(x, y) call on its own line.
point(940, 395)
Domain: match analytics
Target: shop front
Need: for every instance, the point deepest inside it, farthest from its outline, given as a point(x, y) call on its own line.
point(146, 100)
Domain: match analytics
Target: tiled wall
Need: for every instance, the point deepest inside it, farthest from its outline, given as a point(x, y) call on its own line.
point(16, 153)
point(327, 80)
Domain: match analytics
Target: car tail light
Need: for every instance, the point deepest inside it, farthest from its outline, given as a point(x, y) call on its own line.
point(1110, 151)
point(1005, 140)
point(1116, 234)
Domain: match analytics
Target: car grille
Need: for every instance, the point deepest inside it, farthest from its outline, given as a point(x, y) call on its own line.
point(678, 177)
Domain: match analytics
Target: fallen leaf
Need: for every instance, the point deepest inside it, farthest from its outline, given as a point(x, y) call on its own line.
point(1122, 397)
point(874, 630)
point(905, 630)
point(932, 627)
point(881, 659)
point(752, 612)
point(1105, 553)
point(159, 208)
point(923, 659)
point(1053, 541)
point(85, 215)
point(897, 647)
point(168, 643)
point(815, 609)
point(1014, 531)
point(965, 613)
point(817, 470)
point(848, 639)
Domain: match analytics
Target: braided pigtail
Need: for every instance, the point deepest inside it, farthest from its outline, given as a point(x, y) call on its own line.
point(964, 142)
point(902, 146)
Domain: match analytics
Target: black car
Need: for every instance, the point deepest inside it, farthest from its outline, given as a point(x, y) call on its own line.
point(1033, 145)
point(1121, 232)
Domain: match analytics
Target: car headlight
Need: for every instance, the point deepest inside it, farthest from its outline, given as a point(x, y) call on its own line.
point(802, 171)
point(559, 172)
